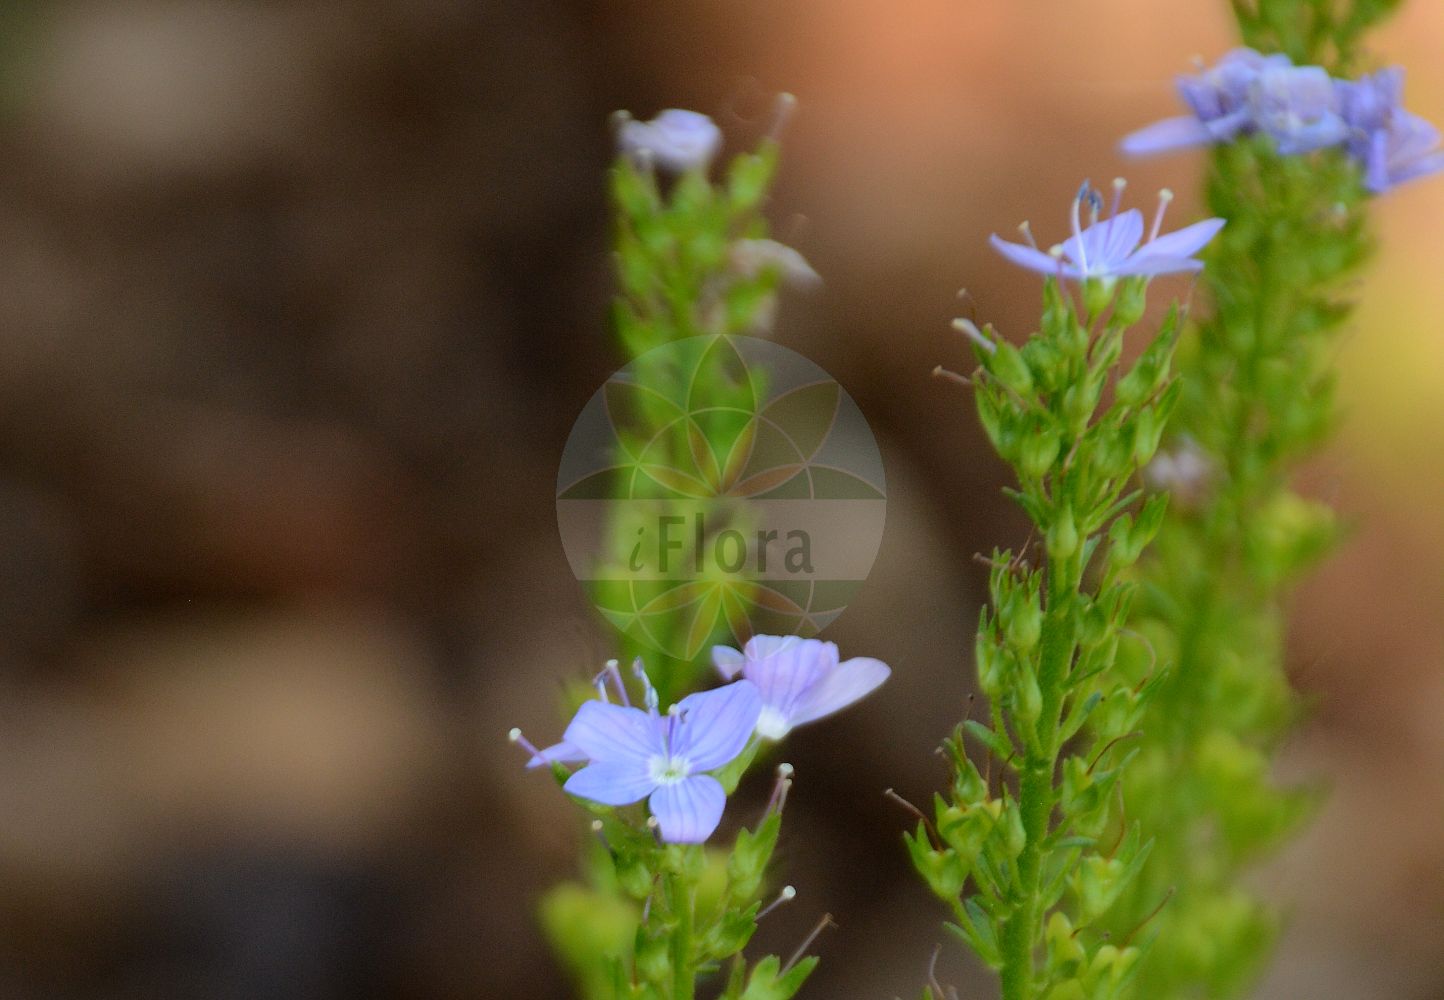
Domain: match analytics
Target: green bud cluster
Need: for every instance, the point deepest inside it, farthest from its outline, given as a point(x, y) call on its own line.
point(1257, 399)
point(675, 258)
point(1031, 861)
point(682, 276)
point(657, 917)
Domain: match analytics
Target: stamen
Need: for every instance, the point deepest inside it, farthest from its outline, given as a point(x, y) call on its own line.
point(516, 737)
point(970, 330)
point(940, 372)
point(1078, 229)
point(601, 837)
point(611, 673)
point(778, 799)
point(1027, 232)
point(787, 895)
point(782, 114)
point(822, 925)
point(1118, 185)
point(1164, 197)
point(650, 693)
point(1095, 205)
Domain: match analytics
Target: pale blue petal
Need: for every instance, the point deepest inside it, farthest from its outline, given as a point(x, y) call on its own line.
point(614, 733)
point(1184, 132)
point(1108, 242)
point(1025, 256)
point(711, 728)
point(1153, 266)
point(611, 784)
point(788, 669)
point(728, 661)
point(688, 812)
point(851, 680)
point(1185, 242)
point(558, 753)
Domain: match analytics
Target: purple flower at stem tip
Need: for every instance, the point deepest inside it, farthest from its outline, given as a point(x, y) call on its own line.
point(799, 680)
point(1114, 247)
point(634, 754)
point(675, 140)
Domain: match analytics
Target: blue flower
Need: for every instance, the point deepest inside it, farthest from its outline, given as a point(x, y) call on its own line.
point(634, 754)
point(1390, 144)
point(1114, 247)
point(799, 680)
point(675, 140)
point(1220, 101)
point(1299, 107)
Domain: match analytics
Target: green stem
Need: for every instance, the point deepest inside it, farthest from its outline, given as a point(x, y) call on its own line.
point(684, 977)
point(1036, 793)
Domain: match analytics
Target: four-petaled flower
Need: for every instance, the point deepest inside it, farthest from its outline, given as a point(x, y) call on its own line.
point(800, 680)
point(1114, 247)
point(634, 754)
point(675, 140)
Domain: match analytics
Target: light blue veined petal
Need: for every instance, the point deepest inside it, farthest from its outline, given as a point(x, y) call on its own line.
point(1025, 256)
point(852, 680)
point(1151, 265)
point(688, 811)
point(1185, 242)
point(790, 667)
point(611, 784)
point(728, 661)
point(712, 727)
point(614, 733)
point(1108, 243)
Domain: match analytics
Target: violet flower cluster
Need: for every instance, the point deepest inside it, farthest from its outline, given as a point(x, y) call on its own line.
point(630, 754)
point(1302, 109)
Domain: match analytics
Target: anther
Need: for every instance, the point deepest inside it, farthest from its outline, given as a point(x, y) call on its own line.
point(970, 330)
point(1027, 232)
point(516, 737)
point(787, 895)
point(601, 837)
point(1118, 185)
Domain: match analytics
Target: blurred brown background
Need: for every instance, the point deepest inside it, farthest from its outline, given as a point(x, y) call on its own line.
point(298, 301)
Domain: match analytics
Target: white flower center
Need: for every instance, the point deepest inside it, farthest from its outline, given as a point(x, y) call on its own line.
point(772, 724)
point(666, 770)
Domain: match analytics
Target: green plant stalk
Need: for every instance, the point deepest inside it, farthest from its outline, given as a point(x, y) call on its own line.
point(1258, 400)
point(648, 919)
point(1029, 870)
point(1036, 793)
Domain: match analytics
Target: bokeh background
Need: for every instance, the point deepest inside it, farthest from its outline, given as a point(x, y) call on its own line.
point(298, 301)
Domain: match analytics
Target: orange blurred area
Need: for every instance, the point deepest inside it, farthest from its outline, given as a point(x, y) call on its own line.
point(298, 303)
